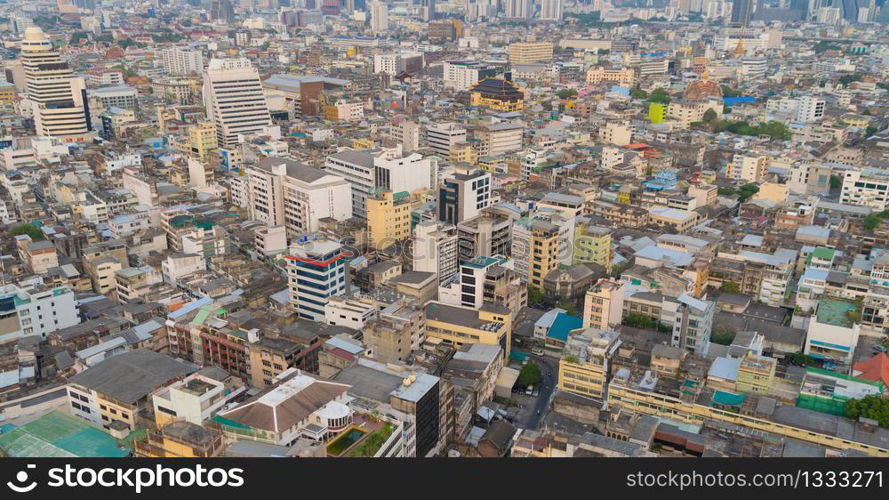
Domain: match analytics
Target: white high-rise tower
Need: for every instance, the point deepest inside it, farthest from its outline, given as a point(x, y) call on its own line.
point(58, 98)
point(234, 100)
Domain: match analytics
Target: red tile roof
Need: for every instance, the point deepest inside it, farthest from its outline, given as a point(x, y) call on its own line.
point(876, 368)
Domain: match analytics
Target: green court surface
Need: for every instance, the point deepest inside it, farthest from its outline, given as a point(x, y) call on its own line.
point(58, 435)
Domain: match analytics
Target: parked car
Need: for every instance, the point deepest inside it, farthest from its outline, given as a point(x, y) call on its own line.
point(537, 351)
point(530, 390)
point(880, 348)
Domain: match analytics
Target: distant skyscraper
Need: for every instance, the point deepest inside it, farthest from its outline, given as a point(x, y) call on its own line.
point(234, 100)
point(379, 17)
point(519, 9)
point(222, 11)
point(58, 98)
point(742, 11)
point(551, 10)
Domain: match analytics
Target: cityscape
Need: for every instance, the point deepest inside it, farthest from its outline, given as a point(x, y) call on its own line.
point(444, 228)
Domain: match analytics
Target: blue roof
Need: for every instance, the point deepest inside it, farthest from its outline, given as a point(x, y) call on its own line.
point(564, 324)
point(731, 101)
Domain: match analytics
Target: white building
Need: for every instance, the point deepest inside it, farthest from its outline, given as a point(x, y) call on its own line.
point(283, 192)
point(179, 61)
point(316, 271)
point(388, 169)
point(691, 320)
point(551, 10)
point(831, 335)
point(379, 17)
point(865, 188)
point(35, 310)
point(234, 99)
point(811, 109)
point(178, 265)
point(441, 137)
point(435, 249)
point(57, 97)
point(350, 313)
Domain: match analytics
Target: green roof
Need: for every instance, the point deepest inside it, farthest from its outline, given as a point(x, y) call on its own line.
point(835, 312)
point(59, 435)
point(823, 253)
point(728, 398)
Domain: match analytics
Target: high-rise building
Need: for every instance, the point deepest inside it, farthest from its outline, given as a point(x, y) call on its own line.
point(316, 271)
point(603, 305)
point(441, 137)
point(379, 17)
point(373, 171)
point(519, 9)
point(57, 97)
point(742, 12)
point(222, 11)
point(181, 61)
point(435, 249)
point(551, 10)
point(388, 218)
point(282, 192)
point(463, 196)
point(234, 99)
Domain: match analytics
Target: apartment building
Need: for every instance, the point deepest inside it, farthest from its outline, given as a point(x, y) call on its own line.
point(283, 192)
point(491, 324)
point(603, 305)
point(435, 249)
point(234, 99)
point(316, 270)
point(463, 196)
point(376, 170)
point(530, 52)
point(388, 218)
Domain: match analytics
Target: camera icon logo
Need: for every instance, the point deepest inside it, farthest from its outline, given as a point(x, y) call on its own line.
point(21, 478)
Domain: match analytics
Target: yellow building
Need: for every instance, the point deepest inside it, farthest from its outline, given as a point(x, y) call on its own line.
point(497, 94)
point(585, 362)
point(756, 374)
point(7, 94)
point(544, 254)
point(388, 218)
point(181, 439)
point(454, 325)
point(530, 52)
point(202, 140)
point(592, 244)
point(624, 76)
point(464, 153)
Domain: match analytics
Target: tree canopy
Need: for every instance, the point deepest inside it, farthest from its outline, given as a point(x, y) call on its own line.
point(30, 229)
point(875, 407)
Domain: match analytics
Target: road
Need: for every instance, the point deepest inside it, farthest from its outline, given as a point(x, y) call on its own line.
point(529, 418)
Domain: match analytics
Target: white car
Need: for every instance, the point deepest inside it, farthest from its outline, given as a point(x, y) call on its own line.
point(537, 351)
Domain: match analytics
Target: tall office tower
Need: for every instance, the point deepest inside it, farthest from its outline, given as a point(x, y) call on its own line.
point(551, 10)
point(428, 7)
point(850, 10)
point(180, 61)
point(519, 9)
point(222, 11)
point(234, 100)
point(316, 270)
point(58, 98)
point(379, 17)
point(742, 12)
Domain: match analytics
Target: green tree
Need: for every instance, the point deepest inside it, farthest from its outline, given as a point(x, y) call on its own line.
point(875, 407)
point(530, 375)
point(723, 337)
point(567, 306)
point(30, 229)
point(77, 36)
point(747, 191)
point(638, 94)
point(730, 287)
point(566, 93)
point(659, 95)
point(535, 295)
point(710, 115)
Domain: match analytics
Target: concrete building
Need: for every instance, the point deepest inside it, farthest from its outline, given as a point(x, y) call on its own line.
point(234, 99)
point(435, 249)
point(604, 305)
point(316, 271)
